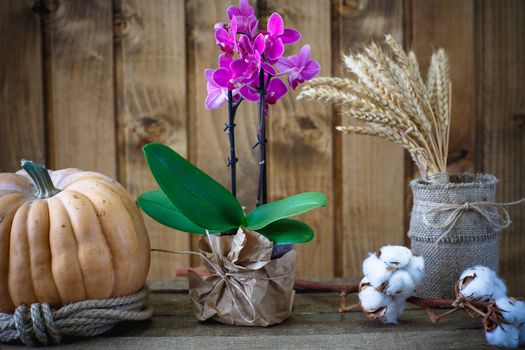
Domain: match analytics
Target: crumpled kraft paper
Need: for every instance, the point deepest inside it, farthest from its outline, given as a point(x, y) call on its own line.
point(245, 286)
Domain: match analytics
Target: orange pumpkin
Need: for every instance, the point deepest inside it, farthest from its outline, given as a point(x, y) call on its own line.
point(68, 235)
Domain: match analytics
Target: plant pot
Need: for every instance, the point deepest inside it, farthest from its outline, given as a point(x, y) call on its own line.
point(245, 286)
point(280, 249)
point(450, 233)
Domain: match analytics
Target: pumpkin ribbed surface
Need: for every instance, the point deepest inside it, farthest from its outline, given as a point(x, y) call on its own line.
point(88, 241)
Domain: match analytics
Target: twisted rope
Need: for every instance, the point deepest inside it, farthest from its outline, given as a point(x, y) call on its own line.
point(39, 324)
point(456, 210)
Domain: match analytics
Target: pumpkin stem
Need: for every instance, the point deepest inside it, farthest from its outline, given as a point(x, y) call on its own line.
point(41, 178)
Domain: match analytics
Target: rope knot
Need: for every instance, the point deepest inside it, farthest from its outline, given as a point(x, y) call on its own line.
point(39, 324)
point(22, 323)
point(495, 213)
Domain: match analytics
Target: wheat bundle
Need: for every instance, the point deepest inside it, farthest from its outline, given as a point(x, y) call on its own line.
point(391, 100)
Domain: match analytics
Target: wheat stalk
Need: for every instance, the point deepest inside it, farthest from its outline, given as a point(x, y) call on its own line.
point(391, 99)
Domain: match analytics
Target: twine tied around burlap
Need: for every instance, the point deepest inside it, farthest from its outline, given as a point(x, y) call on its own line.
point(456, 210)
point(465, 237)
point(40, 324)
point(229, 279)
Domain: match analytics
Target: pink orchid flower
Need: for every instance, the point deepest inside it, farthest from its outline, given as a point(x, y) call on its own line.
point(277, 36)
point(217, 96)
point(275, 91)
point(233, 74)
point(225, 37)
point(251, 51)
point(245, 16)
point(300, 67)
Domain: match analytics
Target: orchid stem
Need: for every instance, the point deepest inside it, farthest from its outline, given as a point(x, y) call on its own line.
point(230, 128)
point(262, 191)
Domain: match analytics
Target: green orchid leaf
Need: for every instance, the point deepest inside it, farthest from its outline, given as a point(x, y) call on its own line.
point(157, 205)
point(290, 206)
point(287, 231)
point(197, 196)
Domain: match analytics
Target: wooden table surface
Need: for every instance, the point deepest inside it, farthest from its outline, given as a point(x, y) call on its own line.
point(314, 324)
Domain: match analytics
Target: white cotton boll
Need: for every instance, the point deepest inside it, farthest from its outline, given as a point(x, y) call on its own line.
point(504, 335)
point(375, 270)
point(393, 310)
point(401, 303)
point(512, 310)
point(416, 268)
point(479, 270)
point(500, 289)
point(480, 283)
point(522, 334)
point(400, 284)
point(391, 314)
point(395, 256)
point(371, 299)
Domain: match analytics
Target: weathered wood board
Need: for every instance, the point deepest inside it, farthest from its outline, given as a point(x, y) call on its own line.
point(372, 170)
point(314, 324)
point(151, 106)
point(22, 133)
point(300, 137)
point(501, 127)
point(80, 106)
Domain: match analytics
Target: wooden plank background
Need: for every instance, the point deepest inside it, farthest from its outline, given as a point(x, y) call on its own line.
point(86, 84)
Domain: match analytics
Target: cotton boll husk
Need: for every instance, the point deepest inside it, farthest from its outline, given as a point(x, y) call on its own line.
point(512, 310)
point(479, 288)
point(364, 281)
point(504, 335)
point(375, 270)
point(400, 284)
point(371, 299)
point(376, 315)
point(480, 283)
point(395, 255)
point(416, 268)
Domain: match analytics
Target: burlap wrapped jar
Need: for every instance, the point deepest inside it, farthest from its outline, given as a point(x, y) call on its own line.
point(454, 226)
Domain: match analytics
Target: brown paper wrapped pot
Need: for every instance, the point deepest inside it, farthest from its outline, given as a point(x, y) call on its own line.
point(245, 287)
